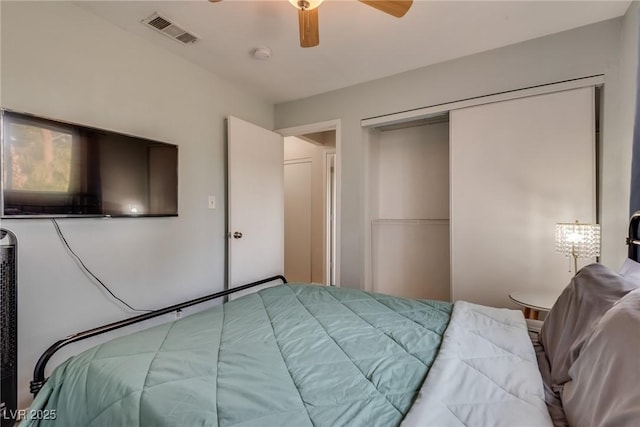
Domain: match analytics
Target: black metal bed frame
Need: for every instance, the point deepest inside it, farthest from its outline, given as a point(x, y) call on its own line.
point(634, 239)
point(39, 372)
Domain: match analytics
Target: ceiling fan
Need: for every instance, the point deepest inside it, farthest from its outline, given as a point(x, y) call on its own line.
point(308, 15)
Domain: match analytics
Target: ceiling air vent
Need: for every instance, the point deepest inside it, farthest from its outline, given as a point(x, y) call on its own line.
point(169, 29)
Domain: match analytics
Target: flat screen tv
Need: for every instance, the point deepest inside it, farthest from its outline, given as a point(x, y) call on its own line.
point(52, 168)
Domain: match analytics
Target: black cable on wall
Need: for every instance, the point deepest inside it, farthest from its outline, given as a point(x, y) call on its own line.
point(88, 272)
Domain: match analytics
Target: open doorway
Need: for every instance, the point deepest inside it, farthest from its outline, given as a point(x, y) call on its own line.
point(310, 204)
point(328, 136)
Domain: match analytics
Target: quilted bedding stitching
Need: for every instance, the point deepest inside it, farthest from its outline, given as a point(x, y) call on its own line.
point(91, 365)
point(146, 378)
point(493, 344)
point(93, 356)
point(503, 322)
point(498, 385)
point(384, 332)
point(110, 406)
point(424, 317)
point(217, 359)
point(342, 349)
point(502, 370)
point(455, 415)
point(424, 307)
point(280, 350)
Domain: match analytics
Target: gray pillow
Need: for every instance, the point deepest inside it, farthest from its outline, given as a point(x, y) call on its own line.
point(603, 389)
point(631, 270)
point(574, 315)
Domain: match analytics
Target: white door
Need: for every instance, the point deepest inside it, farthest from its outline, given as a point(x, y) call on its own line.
point(518, 168)
point(255, 209)
point(297, 220)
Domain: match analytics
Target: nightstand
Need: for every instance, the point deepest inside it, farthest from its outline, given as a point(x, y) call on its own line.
point(533, 303)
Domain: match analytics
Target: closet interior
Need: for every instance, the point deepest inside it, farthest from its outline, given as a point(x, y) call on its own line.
point(409, 178)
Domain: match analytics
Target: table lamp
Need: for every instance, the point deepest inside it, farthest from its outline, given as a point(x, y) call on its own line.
point(578, 240)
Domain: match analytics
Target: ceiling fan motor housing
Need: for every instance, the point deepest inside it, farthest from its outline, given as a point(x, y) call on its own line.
point(306, 4)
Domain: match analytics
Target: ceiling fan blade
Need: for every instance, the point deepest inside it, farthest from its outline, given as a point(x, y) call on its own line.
point(395, 8)
point(214, 1)
point(309, 31)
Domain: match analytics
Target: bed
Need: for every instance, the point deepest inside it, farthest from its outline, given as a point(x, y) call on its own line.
point(308, 355)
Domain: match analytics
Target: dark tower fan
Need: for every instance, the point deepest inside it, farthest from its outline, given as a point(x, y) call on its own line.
point(8, 326)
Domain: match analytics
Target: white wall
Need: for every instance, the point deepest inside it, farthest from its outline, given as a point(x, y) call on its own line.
point(586, 51)
point(59, 60)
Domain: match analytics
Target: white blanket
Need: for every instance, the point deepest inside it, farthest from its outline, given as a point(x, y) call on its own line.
point(485, 374)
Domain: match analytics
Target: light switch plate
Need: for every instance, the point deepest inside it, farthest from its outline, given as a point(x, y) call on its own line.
point(212, 202)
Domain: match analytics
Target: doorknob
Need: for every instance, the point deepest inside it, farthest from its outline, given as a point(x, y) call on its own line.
point(237, 235)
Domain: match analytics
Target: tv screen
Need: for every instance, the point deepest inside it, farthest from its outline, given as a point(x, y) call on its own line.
point(56, 169)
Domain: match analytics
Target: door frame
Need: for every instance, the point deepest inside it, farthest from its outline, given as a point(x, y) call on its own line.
point(322, 127)
point(330, 201)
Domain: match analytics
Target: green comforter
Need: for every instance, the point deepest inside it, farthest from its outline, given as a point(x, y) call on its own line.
point(292, 355)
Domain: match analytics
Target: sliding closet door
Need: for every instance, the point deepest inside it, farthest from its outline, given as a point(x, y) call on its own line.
point(517, 168)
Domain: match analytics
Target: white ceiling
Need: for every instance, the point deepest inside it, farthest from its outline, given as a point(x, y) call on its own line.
point(357, 43)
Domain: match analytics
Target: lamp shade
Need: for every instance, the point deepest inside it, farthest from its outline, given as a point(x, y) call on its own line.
point(578, 240)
